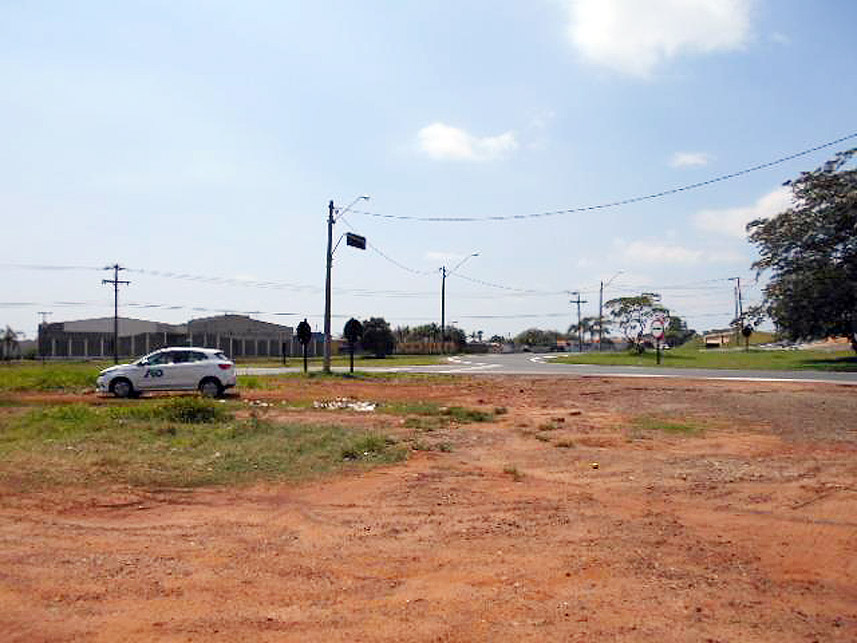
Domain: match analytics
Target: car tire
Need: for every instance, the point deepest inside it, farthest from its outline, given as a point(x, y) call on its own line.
point(121, 387)
point(210, 387)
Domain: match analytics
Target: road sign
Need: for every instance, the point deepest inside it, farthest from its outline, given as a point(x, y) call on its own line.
point(355, 240)
point(657, 328)
point(304, 332)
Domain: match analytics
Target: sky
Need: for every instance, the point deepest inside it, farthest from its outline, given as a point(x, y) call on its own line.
point(198, 144)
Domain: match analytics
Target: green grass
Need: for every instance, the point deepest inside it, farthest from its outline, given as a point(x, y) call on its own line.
point(181, 442)
point(50, 376)
point(690, 356)
point(684, 427)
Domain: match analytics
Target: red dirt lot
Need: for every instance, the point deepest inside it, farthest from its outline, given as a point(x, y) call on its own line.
point(564, 519)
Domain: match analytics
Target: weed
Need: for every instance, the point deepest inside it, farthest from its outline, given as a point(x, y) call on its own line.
point(513, 471)
point(565, 444)
point(541, 437)
point(190, 410)
point(548, 426)
point(370, 446)
point(170, 444)
point(500, 410)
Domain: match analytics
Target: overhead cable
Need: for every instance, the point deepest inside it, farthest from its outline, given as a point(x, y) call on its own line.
point(611, 204)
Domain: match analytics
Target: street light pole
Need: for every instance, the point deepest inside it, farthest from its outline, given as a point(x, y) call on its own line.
point(330, 222)
point(332, 215)
point(442, 309)
point(601, 308)
point(444, 274)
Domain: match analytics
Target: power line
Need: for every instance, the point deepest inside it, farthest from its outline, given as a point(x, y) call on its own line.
point(616, 203)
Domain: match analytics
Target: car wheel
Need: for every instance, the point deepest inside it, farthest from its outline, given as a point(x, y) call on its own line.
point(210, 387)
point(122, 387)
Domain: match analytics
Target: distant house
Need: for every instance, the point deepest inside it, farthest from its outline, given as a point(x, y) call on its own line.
point(719, 338)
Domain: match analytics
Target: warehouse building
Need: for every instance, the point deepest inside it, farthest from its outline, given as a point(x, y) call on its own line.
point(236, 335)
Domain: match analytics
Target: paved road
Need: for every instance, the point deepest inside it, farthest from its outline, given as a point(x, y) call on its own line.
point(534, 364)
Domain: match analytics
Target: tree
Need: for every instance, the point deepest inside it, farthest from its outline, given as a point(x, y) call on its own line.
point(9, 342)
point(633, 314)
point(456, 336)
point(377, 337)
point(677, 332)
point(538, 337)
point(588, 325)
point(811, 251)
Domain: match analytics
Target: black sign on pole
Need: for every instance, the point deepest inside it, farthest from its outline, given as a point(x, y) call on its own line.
point(353, 333)
point(304, 337)
point(355, 240)
point(746, 332)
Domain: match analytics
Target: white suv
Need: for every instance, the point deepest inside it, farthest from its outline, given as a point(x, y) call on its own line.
point(171, 369)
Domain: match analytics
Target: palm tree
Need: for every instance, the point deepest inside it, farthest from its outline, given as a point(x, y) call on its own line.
point(9, 341)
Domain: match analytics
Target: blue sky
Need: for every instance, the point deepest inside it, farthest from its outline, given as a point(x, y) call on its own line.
point(198, 144)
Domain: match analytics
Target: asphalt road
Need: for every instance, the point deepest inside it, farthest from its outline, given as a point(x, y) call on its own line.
point(535, 364)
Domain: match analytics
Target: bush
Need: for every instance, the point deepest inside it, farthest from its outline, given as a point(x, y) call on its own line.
point(190, 410)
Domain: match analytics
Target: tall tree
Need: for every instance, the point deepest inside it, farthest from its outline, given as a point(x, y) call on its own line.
point(9, 342)
point(377, 338)
point(811, 251)
point(633, 314)
point(677, 332)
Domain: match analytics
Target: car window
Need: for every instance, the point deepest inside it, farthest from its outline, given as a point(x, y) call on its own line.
point(222, 356)
point(180, 357)
point(196, 356)
point(164, 357)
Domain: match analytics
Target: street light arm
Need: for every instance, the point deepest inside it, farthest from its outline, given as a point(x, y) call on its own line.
point(461, 263)
point(341, 211)
point(609, 281)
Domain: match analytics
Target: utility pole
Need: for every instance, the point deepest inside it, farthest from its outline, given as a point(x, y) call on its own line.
point(444, 274)
point(44, 314)
point(739, 309)
point(116, 282)
point(354, 240)
point(330, 222)
point(601, 308)
point(578, 301)
point(442, 309)
point(600, 315)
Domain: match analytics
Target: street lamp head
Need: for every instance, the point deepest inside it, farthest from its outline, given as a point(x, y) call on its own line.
point(365, 197)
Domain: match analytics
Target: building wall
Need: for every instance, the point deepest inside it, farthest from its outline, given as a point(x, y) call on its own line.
point(236, 335)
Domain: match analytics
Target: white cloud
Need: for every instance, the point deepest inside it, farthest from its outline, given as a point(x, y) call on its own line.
point(690, 159)
point(733, 221)
point(653, 251)
point(634, 37)
point(446, 143)
point(780, 38)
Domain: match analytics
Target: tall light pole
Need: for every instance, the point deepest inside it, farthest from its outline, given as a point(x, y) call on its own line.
point(739, 309)
point(601, 308)
point(578, 301)
point(40, 338)
point(333, 215)
point(445, 273)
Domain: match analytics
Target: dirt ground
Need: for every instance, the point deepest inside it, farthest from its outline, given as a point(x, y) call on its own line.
point(564, 519)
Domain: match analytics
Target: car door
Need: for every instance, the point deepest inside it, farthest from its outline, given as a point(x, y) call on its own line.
point(195, 366)
point(156, 371)
point(183, 372)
